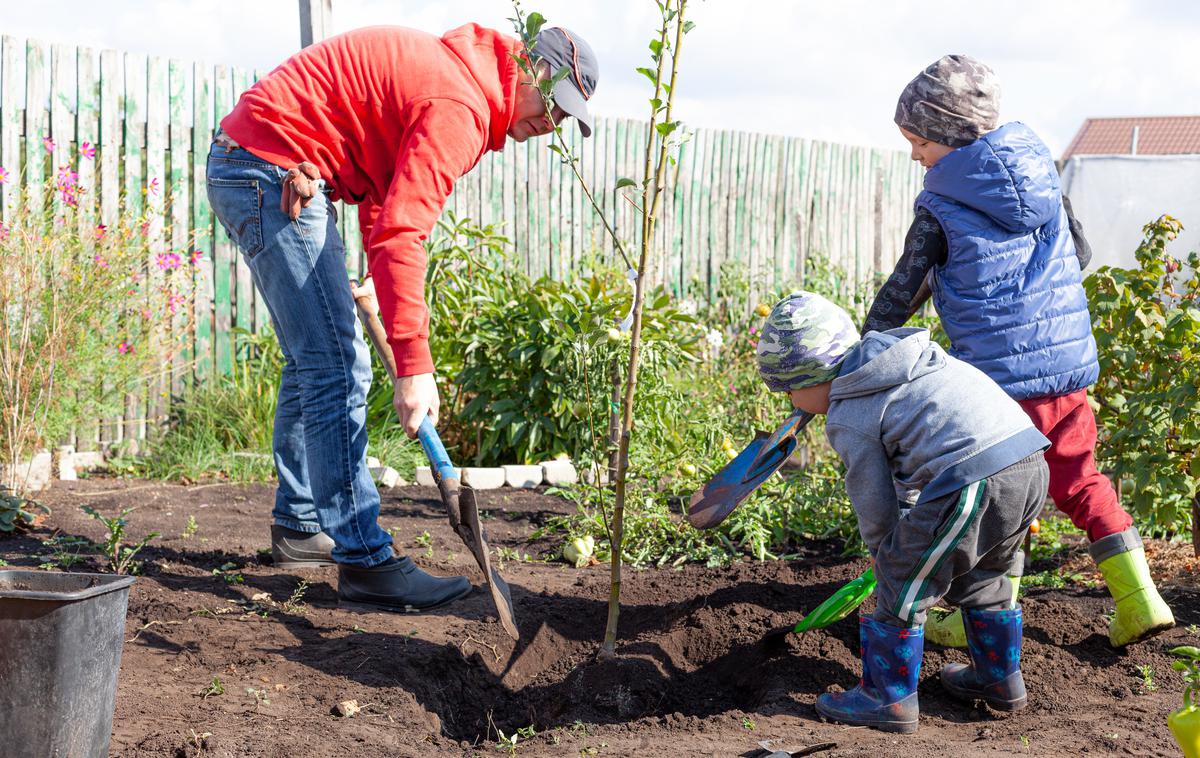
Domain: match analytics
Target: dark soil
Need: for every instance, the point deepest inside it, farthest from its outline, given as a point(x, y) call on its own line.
point(690, 678)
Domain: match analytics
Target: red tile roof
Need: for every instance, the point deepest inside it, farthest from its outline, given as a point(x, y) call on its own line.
point(1157, 135)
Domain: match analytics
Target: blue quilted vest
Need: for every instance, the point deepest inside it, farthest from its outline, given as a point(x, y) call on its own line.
point(1010, 295)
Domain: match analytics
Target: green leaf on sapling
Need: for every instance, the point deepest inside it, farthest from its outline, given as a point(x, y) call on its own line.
point(533, 25)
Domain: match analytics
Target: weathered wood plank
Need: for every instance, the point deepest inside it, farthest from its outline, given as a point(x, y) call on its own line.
point(87, 136)
point(112, 88)
point(87, 133)
point(224, 250)
point(182, 240)
point(62, 124)
point(244, 294)
point(202, 221)
point(12, 86)
point(37, 130)
point(157, 187)
point(133, 163)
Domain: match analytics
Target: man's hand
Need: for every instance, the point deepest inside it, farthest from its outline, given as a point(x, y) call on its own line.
point(364, 294)
point(299, 188)
point(415, 398)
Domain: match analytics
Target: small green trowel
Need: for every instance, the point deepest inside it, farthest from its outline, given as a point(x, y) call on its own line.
point(837, 607)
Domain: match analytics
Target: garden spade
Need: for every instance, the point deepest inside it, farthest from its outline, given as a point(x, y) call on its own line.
point(458, 499)
point(761, 458)
point(837, 607)
point(745, 473)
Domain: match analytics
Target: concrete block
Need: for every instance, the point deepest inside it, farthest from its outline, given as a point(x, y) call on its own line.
point(522, 476)
point(66, 463)
point(483, 478)
point(386, 476)
point(559, 473)
point(90, 459)
point(30, 476)
point(425, 476)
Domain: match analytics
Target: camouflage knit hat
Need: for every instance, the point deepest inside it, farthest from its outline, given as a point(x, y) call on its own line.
point(803, 342)
point(954, 101)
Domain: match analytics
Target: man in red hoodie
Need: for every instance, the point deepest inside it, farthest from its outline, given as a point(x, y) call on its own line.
point(387, 119)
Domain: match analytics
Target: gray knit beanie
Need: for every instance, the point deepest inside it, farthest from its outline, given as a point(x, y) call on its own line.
point(954, 101)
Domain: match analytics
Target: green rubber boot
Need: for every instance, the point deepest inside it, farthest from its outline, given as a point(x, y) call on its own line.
point(1141, 611)
point(945, 627)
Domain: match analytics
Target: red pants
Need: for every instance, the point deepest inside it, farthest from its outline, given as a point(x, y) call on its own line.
point(1076, 486)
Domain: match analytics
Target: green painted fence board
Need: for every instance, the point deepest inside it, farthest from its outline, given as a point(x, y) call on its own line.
point(202, 219)
point(224, 250)
point(12, 88)
point(36, 126)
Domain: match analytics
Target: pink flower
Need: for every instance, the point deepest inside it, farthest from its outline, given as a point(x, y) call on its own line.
point(167, 261)
point(98, 259)
point(101, 230)
point(3, 175)
point(4, 231)
point(145, 228)
point(48, 144)
point(753, 330)
point(152, 187)
point(754, 343)
point(67, 182)
point(87, 150)
point(65, 178)
point(125, 348)
point(174, 301)
point(196, 257)
point(146, 313)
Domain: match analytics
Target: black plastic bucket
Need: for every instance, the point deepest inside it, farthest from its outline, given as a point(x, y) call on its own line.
point(60, 651)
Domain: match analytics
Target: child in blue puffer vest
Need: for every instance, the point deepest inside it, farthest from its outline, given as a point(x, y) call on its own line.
point(995, 241)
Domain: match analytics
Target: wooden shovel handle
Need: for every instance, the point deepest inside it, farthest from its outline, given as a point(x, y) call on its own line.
point(376, 334)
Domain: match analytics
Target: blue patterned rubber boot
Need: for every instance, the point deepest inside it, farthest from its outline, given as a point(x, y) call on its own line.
point(886, 696)
point(994, 674)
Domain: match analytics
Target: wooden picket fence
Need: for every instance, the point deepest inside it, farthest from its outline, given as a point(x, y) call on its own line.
point(768, 201)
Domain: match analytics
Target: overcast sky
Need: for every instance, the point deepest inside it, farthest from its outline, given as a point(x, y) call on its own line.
point(825, 70)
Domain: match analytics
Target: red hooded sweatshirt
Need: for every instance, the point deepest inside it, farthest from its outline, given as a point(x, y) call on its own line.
point(391, 117)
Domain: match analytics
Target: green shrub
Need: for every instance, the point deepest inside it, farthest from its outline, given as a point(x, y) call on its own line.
point(1147, 326)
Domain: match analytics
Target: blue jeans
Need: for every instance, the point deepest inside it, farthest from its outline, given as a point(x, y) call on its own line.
point(320, 435)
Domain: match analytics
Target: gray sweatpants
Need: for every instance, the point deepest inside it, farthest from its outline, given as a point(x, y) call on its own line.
point(961, 547)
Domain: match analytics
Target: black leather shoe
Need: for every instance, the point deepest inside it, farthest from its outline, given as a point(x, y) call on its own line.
point(291, 549)
point(397, 586)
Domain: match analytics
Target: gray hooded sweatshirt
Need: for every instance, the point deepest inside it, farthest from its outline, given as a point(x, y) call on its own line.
point(903, 413)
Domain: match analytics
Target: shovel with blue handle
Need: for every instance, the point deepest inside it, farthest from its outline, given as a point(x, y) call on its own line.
point(458, 498)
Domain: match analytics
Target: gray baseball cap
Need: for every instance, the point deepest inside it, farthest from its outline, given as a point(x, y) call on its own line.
point(561, 47)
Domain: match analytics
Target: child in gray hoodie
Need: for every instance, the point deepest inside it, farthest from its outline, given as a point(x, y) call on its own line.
point(905, 416)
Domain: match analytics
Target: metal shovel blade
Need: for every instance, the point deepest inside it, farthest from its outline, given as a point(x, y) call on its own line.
point(464, 520)
point(765, 455)
point(778, 444)
point(472, 534)
point(728, 487)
